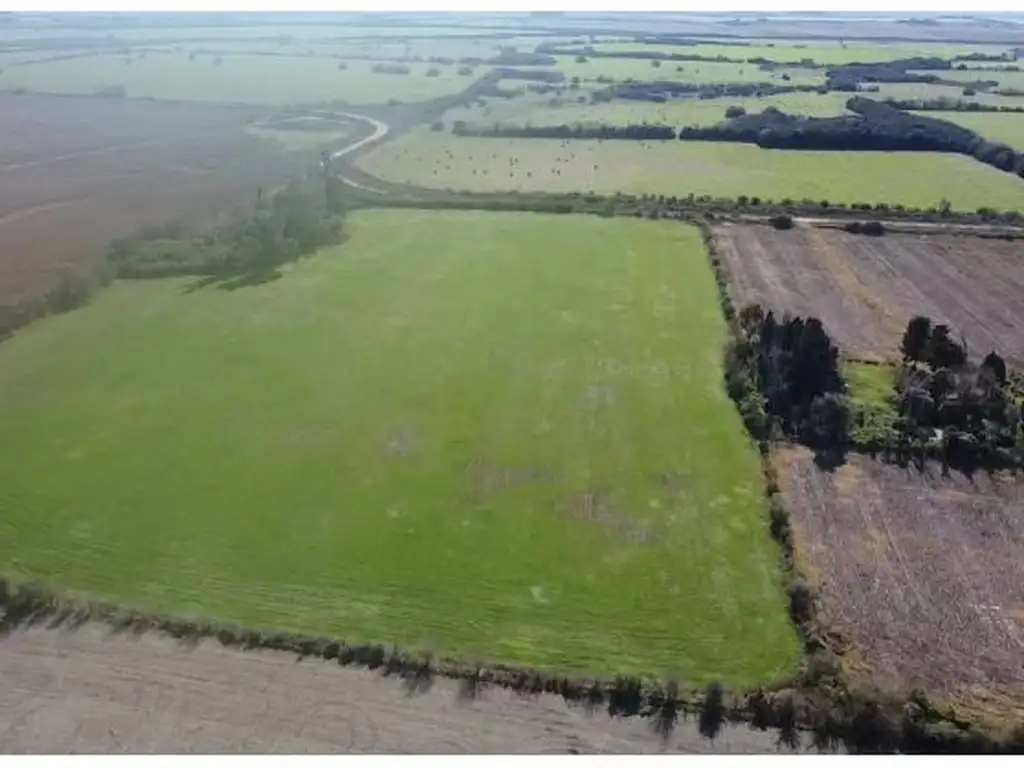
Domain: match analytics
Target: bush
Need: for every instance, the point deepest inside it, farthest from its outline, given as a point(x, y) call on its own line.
point(734, 111)
point(782, 221)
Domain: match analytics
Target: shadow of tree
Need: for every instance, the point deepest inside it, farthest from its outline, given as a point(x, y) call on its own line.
point(234, 281)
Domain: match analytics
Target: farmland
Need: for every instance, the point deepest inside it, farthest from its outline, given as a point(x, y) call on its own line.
point(423, 454)
point(103, 169)
point(679, 168)
point(294, 357)
point(537, 110)
point(235, 78)
point(921, 572)
point(866, 289)
point(685, 72)
point(826, 52)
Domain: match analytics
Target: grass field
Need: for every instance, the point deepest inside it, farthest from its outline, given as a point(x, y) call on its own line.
point(823, 52)
point(1007, 127)
point(501, 436)
point(239, 78)
point(538, 110)
point(443, 160)
point(871, 394)
point(683, 71)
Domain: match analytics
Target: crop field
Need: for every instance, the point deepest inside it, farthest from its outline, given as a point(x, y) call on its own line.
point(483, 434)
point(921, 573)
point(240, 78)
point(920, 179)
point(865, 289)
point(77, 172)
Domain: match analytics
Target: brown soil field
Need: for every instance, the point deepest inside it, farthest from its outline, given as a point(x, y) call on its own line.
point(865, 289)
point(921, 574)
point(88, 691)
point(76, 172)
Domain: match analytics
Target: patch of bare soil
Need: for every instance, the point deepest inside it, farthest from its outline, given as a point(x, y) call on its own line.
point(922, 574)
point(86, 691)
point(865, 289)
point(76, 172)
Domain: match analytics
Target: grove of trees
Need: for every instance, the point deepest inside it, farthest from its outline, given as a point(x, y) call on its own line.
point(875, 126)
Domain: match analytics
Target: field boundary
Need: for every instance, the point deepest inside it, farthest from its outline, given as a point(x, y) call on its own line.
point(860, 723)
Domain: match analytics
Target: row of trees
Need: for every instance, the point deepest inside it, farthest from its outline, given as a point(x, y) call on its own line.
point(662, 90)
point(944, 104)
point(636, 132)
point(538, 75)
point(875, 126)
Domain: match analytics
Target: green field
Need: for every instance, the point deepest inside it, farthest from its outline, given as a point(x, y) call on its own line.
point(500, 436)
point(239, 78)
point(1005, 127)
point(703, 168)
point(539, 110)
point(823, 52)
point(871, 394)
point(683, 71)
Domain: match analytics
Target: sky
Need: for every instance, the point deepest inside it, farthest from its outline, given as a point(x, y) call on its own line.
point(980, 6)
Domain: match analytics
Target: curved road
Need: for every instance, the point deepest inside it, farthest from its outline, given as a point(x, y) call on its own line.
point(380, 130)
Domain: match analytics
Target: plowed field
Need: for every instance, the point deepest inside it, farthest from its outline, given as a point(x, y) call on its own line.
point(865, 289)
point(923, 574)
point(77, 172)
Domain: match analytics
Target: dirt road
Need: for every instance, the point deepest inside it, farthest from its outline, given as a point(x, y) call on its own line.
point(90, 692)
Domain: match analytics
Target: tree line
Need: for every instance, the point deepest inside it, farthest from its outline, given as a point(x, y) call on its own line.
point(661, 91)
point(875, 126)
point(943, 104)
point(635, 132)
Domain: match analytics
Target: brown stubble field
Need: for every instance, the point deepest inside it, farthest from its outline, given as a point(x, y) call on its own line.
point(76, 172)
point(921, 575)
point(865, 289)
point(87, 691)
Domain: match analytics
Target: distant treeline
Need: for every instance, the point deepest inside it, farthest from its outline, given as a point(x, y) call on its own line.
point(536, 75)
point(588, 51)
point(947, 105)
point(848, 76)
point(876, 126)
point(661, 91)
point(637, 132)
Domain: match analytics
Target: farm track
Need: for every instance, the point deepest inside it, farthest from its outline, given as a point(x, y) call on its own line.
point(88, 691)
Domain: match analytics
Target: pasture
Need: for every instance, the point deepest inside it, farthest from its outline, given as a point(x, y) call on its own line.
point(543, 110)
point(443, 160)
point(1002, 127)
point(234, 78)
point(496, 436)
point(823, 52)
point(683, 71)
